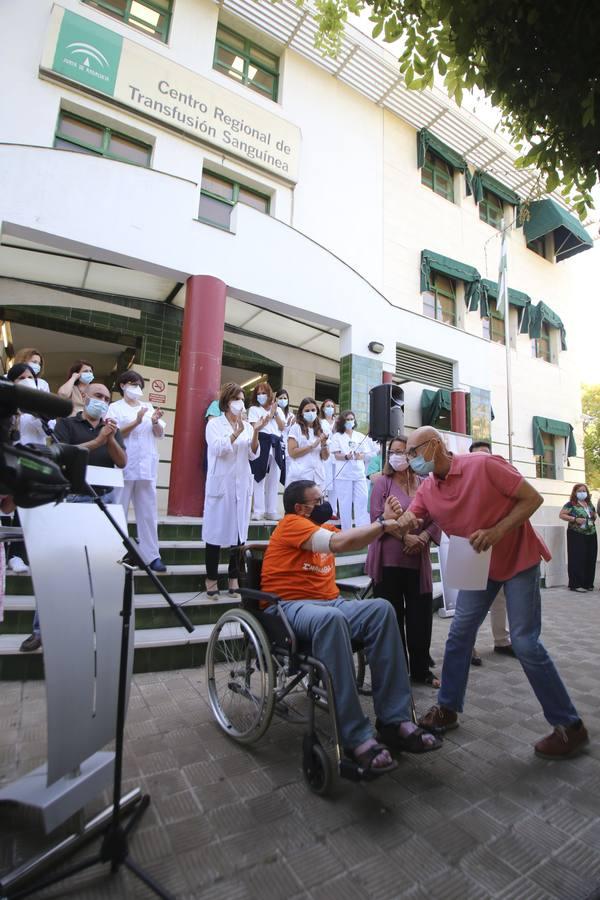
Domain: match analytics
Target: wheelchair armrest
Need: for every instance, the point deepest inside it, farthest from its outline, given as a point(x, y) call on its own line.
point(253, 597)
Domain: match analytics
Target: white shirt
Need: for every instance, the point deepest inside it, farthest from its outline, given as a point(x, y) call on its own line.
point(351, 469)
point(308, 466)
point(31, 431)
point(140, 443)
point(255, 413)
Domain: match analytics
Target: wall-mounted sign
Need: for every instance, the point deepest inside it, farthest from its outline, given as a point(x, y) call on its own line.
point(152, 85)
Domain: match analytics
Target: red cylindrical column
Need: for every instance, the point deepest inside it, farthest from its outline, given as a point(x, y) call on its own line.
point(387, 378)
point(199, 381)
point(458, 413)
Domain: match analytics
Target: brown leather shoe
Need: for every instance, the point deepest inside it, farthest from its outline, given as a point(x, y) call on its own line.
point(439, 719)
point(564, 742)
point(30, 644)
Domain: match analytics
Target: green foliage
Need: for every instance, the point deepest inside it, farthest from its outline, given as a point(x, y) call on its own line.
point(536, 60)
point(590, 401)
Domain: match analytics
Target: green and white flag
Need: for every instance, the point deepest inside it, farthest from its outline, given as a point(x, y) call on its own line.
point(502, 301)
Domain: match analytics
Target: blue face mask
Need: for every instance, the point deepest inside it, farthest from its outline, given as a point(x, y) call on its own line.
point(86, 377)
point(309, 416)
point(262, 399)
point(96, 409)
point(581, 495)
point(282, 402)
point(349, 424)
point(422, 466)
point(35, 368)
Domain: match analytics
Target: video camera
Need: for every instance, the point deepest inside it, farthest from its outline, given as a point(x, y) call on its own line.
point(33, 474)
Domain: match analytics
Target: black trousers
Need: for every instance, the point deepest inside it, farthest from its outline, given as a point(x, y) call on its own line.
point(212, 561)
point(414, 612)
point(582, 551)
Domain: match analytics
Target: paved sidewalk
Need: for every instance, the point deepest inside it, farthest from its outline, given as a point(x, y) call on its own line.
point(480, 818)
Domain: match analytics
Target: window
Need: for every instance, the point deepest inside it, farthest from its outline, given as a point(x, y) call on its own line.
point(438, 175)
point(545, 466)
point(538, 246)
point(327, 390)
point(150, 16)
point(246, 62)
point(83, 136)
point(542, 347)
point(219, 195)
point(440, 302)
point(493, 327)
point(491, 209)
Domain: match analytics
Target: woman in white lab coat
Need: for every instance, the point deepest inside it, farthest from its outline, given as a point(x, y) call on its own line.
point(327, 417)
point(34, 359)
point(307, 446)
point(141, 426)
point(351, 450)
point(231, 444)
point(270, 465)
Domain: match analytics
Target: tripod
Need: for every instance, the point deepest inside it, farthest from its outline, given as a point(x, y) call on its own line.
point(114, 848)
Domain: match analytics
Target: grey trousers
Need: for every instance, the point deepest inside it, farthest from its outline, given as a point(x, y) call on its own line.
point(330, 625)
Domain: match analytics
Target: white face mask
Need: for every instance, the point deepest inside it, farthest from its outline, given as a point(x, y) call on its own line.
point(581, 495)
point(236, 406)
point(133, 392)
point(398, 462)
point(28, 383)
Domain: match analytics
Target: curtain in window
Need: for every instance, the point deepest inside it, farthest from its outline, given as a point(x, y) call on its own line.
point(555, 427)
point(427, 141)
point(541, 314)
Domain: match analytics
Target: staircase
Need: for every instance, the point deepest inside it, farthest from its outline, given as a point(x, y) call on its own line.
point(160, 642)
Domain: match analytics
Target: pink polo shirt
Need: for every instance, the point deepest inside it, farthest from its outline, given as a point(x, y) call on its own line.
point(478, 492)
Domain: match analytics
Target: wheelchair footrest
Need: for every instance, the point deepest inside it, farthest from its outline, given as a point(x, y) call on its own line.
point(350, 770)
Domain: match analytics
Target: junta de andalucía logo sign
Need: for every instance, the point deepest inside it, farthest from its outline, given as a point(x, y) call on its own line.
point(87, 53)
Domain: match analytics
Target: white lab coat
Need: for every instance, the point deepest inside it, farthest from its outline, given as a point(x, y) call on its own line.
point(229, 480)
point(140, 443)
point(310, 466)
point(31, 431)
point(351, 469)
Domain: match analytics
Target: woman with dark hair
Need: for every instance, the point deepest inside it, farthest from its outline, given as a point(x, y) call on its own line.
point(231, 445)
point(282, 399)
point(269, 467)
point(141, 426)
point(35, 360)
point(582, 540)
point(307, 446)
point(401, 568)
point(80, 374)
point(327, 417)
point(351, 449)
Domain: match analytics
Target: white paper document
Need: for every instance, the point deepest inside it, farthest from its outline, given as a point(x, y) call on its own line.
point(466, 569)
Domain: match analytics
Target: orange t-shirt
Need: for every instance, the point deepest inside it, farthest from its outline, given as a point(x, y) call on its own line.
point(293, 573)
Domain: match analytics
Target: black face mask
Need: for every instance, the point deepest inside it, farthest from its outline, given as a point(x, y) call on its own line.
point(321, 513)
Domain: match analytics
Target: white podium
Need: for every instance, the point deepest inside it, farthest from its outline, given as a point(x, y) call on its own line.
point(78, 583)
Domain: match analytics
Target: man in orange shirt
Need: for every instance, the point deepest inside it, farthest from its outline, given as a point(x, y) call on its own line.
point(482, 497)
point(299, 566)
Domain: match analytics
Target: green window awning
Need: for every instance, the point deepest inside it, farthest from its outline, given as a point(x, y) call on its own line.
point(552, 426)
point(546, 216)
point(518, 299)
point(427, 141)
point(480, 181)
point(451, 268)
point(433, 403)
point(541, 314)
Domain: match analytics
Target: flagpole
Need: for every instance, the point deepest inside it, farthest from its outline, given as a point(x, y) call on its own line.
point(504, 304)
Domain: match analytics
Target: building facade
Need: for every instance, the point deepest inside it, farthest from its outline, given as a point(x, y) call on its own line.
point(189, 187)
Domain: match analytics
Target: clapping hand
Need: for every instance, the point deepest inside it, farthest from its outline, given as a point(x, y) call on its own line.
point(238, 427)
point(260, 423)
point(156, 415)
point(108, 430)
point(140, 415)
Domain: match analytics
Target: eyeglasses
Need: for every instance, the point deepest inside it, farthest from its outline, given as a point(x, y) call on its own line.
point(316, 502)
point(412, 453)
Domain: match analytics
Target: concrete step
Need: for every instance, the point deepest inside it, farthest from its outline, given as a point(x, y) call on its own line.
point(186, 599)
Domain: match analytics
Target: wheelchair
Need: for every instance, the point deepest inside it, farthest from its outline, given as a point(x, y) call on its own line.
point(254, 662)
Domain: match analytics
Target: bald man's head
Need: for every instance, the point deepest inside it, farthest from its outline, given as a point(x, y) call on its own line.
point(426, 433)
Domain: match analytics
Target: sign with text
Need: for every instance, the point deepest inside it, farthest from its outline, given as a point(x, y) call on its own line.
point(152, 85)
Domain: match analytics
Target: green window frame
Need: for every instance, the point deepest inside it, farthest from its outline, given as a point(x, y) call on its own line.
point(150, 16)
point(440, 301)
point(246, 62)
point(73, 132)
point(545, 466)
point(542, 346)
point(491, 209)
point(438, 176)
point(219, 195)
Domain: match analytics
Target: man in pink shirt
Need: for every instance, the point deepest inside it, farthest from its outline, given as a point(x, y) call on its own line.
point(483, 498)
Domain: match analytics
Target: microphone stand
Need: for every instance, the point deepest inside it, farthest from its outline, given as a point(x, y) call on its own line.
point(114, 848)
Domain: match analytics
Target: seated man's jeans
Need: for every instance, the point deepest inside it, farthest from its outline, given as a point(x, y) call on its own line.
point(330, 625)
point(523, 604)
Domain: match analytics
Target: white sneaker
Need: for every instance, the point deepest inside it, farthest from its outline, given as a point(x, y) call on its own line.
point(16, 565)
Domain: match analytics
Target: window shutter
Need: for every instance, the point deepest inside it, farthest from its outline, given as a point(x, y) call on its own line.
point(414, 366)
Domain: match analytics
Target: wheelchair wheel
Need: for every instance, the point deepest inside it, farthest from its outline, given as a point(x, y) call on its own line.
point(316, 766)
point(239, 674)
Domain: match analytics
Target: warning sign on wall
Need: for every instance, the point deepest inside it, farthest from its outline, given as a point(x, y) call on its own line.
point(158, 392)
